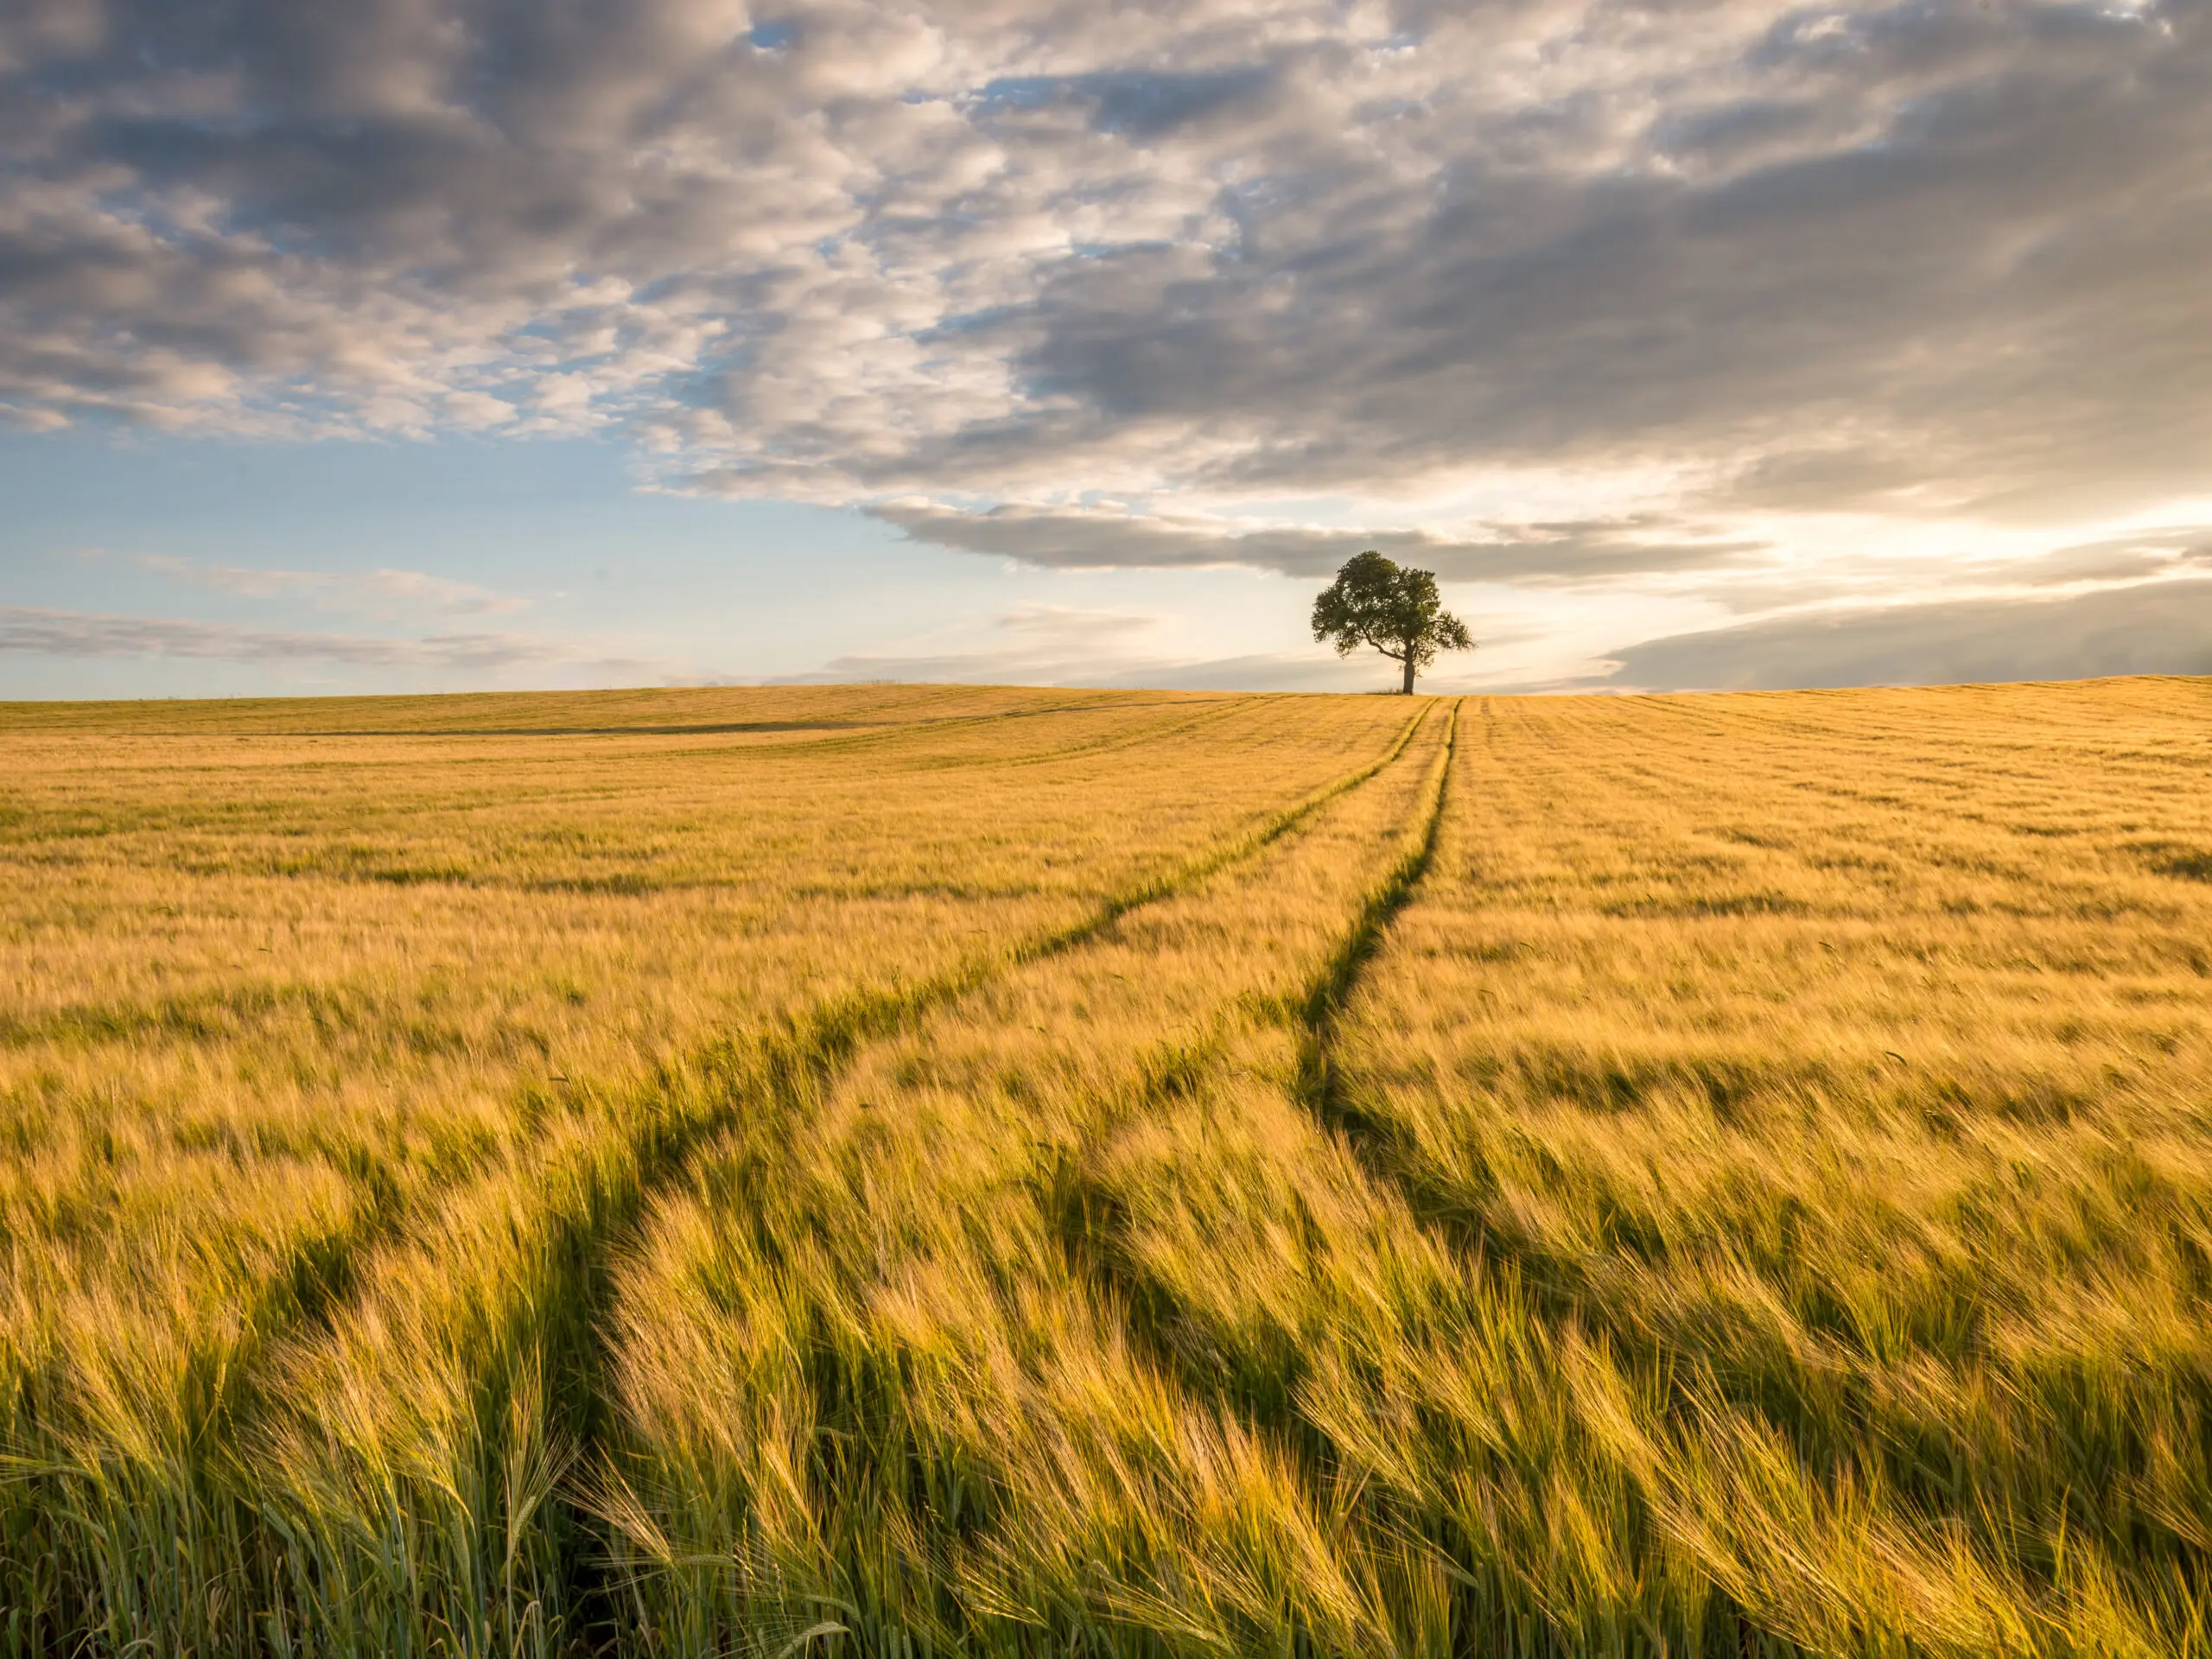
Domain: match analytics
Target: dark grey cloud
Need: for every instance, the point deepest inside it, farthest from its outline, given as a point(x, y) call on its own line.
point(1548, 554)
point(2157, 628)
point(1960, 283)
point(1932, 256)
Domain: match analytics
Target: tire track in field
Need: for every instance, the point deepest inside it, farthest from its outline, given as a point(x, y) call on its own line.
point(1374, 1144)
point(667, 1119)
point(885, 733)
point(1096, 1230)
point(1322, 1089)
point(1189, 986)
point(1325, 1003)
point(1090, 1220)
point(846, 735)
point(1089, 1213)
point(1209, 716)
point(1081, 1210)
point(807, 1061)
point(560, 1286)
point(940, 724)
point(812, 1048)
point(815, 1042)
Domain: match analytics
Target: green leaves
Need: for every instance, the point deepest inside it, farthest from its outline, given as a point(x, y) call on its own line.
point(1377, 602)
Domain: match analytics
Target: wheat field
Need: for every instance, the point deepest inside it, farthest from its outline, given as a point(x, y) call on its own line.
point(908, 1171)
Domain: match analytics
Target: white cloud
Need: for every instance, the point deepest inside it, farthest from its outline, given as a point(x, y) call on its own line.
point(1651, 288)
point(1917, 257)
point(1061, 626)
point(382, 592)
point(81, 634)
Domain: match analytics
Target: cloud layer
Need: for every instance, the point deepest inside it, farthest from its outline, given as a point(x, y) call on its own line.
point(1556, 553)
point(52, 632)
point(1888, 255)
point(2153, 627)
point(1553, 294)
point(381, 592)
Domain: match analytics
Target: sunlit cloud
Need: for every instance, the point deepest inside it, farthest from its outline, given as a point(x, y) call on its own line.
point(2149, 627)
point(1090, 289)
point(1561, 553)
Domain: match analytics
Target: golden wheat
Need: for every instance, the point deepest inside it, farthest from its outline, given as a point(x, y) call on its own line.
point(295, 1027)
point(893, 1169)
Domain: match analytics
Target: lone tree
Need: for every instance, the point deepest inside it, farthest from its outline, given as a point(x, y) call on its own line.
point(1376, 602)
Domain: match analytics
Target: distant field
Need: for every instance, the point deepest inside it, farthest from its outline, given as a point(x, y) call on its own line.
point(910, 1170)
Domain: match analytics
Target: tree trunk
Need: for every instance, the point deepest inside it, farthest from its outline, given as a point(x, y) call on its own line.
point(1409, 688)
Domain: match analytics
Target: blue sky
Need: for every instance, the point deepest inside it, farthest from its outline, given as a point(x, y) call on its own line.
point(432, 344)
point(248, 563)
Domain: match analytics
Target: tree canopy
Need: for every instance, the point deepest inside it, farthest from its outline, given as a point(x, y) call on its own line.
point(1375, 601)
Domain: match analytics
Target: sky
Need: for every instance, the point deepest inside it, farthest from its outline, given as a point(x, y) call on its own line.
point(428, 345)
